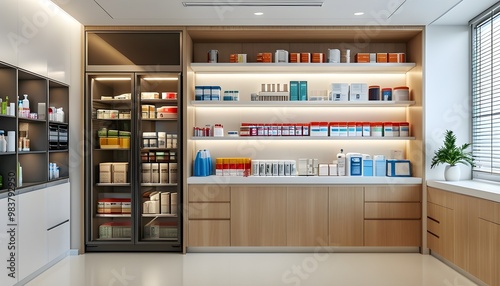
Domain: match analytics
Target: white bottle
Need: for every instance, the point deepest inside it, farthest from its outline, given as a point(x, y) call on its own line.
point(26, 106)
point(3, 143)
point(341, 163)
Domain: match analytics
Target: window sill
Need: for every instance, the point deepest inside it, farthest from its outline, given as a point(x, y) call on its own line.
point(476, 188)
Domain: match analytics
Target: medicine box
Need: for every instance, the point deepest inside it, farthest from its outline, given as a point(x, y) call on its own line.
point(294, 90)
point(172, 173)
point(367, 167)
point(363, 57)
point(165, 203)
point(105, 173)
point(155, 173)
point(120, 173)
point(303, 90)
point(398, 168)
point(146, 173)
point(358, 92)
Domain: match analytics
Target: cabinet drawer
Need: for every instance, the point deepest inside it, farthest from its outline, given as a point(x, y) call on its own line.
point(393, 193)
point(209, 211)
point(440, 197)
point(393, 233)
point(489, 211)
point(209, 233)
point(208, 193)
point(433, 242)
point(433, 227)
point(392, 210)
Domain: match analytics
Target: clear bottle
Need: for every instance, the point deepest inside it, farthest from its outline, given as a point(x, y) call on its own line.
point(26, 106)
point(20, 112)
point(3, 143)
point(341, 163)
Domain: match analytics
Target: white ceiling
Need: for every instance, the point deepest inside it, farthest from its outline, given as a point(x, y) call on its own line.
point(332, 12)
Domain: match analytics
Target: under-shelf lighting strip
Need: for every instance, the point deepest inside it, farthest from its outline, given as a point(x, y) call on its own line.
point(252, 4)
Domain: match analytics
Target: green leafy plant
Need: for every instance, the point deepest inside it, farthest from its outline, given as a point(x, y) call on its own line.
point(452, 154)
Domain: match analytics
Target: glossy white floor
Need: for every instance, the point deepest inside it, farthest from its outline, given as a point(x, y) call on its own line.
point(206, 269)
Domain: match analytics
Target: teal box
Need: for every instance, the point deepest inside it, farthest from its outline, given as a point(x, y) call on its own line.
point(368, 168)
point(303, 90)
point(294, 91)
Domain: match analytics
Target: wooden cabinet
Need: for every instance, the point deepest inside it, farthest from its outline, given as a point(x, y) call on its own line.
point(346, 216)
point(392, 216)
point(209, 212)
point(440, 230)
point(466, 233)
point(307, 216)
point(258, 216)
point(209, 233)
point(489, 252)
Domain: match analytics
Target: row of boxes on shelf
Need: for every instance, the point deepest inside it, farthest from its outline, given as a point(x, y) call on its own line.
point(159, 173)
point(113, 139)
point(323, 129)
point(160, 230)
point(113, 173)
point(299, 91)
point(351, 164)
point(159, 157)
point(153, 140)
point(114, 206)
point(333, 56)
point(115, 229)
point(58, 137)
point(160, 203)
point(123, 96)
point(163, 112)
point(158, 95)
point(112, 114)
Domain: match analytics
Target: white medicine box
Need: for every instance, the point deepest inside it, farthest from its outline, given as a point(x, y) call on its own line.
point(358, 92)
point(105, 174)
point(339, 92)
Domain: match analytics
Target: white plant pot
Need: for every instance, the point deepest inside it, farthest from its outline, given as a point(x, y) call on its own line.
point(452, 173)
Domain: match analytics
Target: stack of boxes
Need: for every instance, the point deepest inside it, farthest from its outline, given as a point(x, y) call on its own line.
point(160, 203)
point(113, 173)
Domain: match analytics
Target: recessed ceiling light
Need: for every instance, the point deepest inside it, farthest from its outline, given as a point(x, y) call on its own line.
point(258, 13)
point(252, 3)
point(359, 13)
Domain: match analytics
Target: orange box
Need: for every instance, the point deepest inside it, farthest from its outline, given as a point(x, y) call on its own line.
point(305, 57)
point(233, 58)
point(264, 57)
point(397, 58)
point(318, 58)
point(363, 57)
point(295, 57)
point(381, 57)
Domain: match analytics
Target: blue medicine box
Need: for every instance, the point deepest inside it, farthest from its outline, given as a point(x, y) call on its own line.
point(380, 168)
point(356, 165)
point(367, 168)
point(398, 168)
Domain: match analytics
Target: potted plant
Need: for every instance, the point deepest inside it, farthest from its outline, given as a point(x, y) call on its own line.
point(451, 154)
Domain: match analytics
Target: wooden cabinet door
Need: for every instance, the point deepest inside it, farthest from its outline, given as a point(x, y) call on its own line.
point(307, 216)
point(209, 233)
point(467, 233)
point(346, 216)
point(440, 230)
point(393, 233)
point(208, 193)
point(258, 216)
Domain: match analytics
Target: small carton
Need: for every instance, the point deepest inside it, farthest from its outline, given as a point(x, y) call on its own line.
point(120, 173)
point(146, 173)
point(105, 173)
point(165, 203)
point(362, 57)
point(155, 173)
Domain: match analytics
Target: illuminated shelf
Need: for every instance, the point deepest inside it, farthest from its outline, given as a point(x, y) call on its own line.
point(113, 215)
point(378, 68)
point(157, 185)
point(201, 103)
point(285, 138)
point(308, 180)
point(112, 185)
point(159, 215)
point(169, 101)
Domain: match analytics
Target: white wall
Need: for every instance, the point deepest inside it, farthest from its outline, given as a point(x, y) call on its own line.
point(38, 36)
point(447, 91)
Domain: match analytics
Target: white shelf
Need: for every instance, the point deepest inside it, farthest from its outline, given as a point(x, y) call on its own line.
point(159, 215)
point(400, 68)
point(157, 185)
point(285, 138)
point(201, 103)
point(113, 215)
point(307, 180)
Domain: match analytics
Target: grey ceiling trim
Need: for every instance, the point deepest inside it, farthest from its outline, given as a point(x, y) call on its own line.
point(251, 4)
point(445, 12)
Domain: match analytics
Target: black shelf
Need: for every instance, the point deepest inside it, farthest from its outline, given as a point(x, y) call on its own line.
point(59, 151)
point(172, 102)
point(58, 123)
point(24, 119)
point(7, 153)
point(7, 116)
point(31, 152)
point(159, 119)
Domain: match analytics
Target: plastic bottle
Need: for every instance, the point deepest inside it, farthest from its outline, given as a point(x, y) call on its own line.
point(20, 112)
point(208, 162)
point(4, 105)
point(3, 143)
point(2, 111)
point(20, 172)
point(341, 163)
point(26, 106)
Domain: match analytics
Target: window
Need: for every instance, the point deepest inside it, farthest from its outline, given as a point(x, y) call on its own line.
point(486, 94)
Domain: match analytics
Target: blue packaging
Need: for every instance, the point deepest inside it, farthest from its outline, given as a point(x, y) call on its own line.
point(215, 93)
point(356, 166)
point(198, 92)
point(398, 168)
point(380, 168)
point(206, 92)
point(368, 168)
point(303, 90)
point(294, 91)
